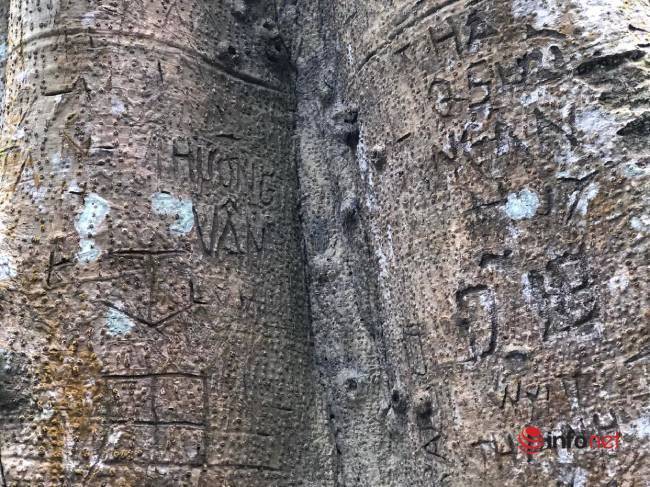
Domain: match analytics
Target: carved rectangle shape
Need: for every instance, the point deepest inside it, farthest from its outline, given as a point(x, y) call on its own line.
point(155, 444)
point(180, 399)
point(132, 399)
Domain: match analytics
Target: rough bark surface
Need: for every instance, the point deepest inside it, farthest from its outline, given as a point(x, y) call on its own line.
point(151, 269)
point(249, 243)
point(474, 181)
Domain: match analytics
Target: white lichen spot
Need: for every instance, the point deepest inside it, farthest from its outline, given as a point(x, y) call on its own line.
point(513, 233)
point(503, 147)
point(362, 153)
point(93, 215)
point(522, 205)
point(641, 223)
point(55, 160)
point(639, 428)
point(167, 205)
point(347, 376)
point(618, 282)
point(117, 106)
point(391, 248)
point(534, 96)
point(88, 19)
point(7, 268)
point(73, 187)
point(580, 477)
point(382, 260)
point(22, 76)
point(47, 412)
point(59, 164)
point(19, 133)
point(117, 323)
point(596, 130)
point(88, 251)
point(114, 438)
point(488, 303)
point(544, 13)
point(373, 205)
point(605, 20)
point(589, 194)
point(634, 170)
point(598, 126)
point(87, 224)
point(564, 455)
point(526, 288)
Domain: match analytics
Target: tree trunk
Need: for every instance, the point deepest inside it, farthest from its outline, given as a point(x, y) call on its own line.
point(323, 243)
point(151, 265)
point(490, 160)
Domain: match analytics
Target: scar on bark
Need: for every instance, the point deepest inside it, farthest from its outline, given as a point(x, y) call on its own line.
point(155, 325)
point(608, 62)
point(639, 127)
point(509, 398)
point(2, 468)
point(531, 32)
point(21, 170)
point(489, 258)
point(81, 151)
point(160, 72)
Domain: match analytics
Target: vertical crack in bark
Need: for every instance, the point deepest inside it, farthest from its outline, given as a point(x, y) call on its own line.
point(2, 467)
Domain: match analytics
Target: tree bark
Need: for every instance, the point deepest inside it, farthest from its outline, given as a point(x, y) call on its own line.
point(250, 243)
point(151, 275)
point(474, 184)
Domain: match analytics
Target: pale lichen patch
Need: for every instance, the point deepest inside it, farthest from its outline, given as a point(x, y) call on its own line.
point(117, 106)
point(22, 76)
point(639, 428)
point(350, 55)
point(19, 133)
point(117, 323)
point(88, 19)
point(542, 14)
point(634, 170)
point(88, 223)
point(589, 194)
point(641, 223)
point(88, 251)
point(526, 288)
point(598, 127)
point(74, 187)
point(597, 21)
point(522, 205)
point(580, 477)
point(538, 94)
point(182, 209)
point(7, 268)
point(59, 164)
point(618, 282)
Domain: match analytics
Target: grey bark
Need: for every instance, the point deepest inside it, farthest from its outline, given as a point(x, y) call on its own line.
point(152, 275)
point(253, 243)
point(475, 211)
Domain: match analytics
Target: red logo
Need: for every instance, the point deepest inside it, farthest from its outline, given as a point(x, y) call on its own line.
point(531, 440)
